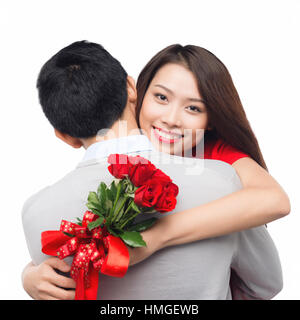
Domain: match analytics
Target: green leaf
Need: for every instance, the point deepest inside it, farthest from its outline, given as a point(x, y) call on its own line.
point(113, 190)
point(133, 239)
point(79, 221)
point(116, 198)
point(135, 207)
point(93, 198)
point(68, 234)
point(108, 204)
point(93, 203)
point(95, 223)
point(143, 225)
point(109, 195)
point(94, 209)
point(101, 189)
point(102, 196)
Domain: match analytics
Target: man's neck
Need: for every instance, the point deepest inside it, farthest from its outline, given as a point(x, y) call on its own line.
point(121, 128)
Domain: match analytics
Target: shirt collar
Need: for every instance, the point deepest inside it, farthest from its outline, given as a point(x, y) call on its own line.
point(125, 145)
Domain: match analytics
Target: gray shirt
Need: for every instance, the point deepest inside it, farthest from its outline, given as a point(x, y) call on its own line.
point(198, 270)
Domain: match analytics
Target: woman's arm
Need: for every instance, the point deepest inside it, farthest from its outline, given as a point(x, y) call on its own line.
point(261, 200)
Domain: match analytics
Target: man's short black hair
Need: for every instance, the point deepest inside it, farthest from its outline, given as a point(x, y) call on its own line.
point(82, 89)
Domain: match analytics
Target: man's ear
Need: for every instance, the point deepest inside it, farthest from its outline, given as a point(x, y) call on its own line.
point(73, 142)
point(131, 90)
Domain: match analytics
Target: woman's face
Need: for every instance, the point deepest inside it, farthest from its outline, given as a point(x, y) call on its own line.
point(173, 114)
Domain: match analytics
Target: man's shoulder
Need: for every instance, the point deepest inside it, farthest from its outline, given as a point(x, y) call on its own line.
point(27, 204)
point(73, 186)
point(43, 192)
point(70, 181)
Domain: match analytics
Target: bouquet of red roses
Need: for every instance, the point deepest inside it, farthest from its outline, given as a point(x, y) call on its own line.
point(98, 240)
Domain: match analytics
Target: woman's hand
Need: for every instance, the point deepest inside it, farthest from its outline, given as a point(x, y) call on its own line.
point(42, 282)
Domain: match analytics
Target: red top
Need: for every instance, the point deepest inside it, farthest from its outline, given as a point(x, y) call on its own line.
point(220, 150)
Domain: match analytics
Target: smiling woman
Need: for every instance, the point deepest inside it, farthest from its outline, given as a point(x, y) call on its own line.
point(173, 112)
point(188, 90)
point(184, 90)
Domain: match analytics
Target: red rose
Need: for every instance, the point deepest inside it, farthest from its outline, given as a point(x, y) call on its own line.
point(161, 175)
point(171, 188)
point(166, 202)
point(166, 181)
point(138, 159)
point(147, 195)
point(120, 165)
point(141, 171)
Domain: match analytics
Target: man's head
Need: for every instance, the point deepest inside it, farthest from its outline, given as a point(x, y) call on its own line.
point(82, 89)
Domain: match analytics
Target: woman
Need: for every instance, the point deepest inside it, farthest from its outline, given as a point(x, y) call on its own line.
point(182, 90)
point(165, 88)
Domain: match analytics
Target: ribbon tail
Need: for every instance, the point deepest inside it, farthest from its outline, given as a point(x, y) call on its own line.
point(91, 292)
point(117, 260)
point(80, 292)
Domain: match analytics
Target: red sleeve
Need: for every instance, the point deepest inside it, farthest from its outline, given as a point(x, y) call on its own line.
point(225, 152)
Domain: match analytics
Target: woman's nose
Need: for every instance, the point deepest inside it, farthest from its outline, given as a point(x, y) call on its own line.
point(171, 117)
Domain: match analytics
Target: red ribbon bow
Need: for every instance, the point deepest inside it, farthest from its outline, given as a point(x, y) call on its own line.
point(95, 251)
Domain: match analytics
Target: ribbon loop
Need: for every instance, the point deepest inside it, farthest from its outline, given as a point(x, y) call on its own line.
point(67, 249)
point(68, 227)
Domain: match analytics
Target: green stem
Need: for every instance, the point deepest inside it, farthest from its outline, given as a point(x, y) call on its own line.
point(129, 207)
point(127, 210)
point(120, 207)
point(125, 213)
point(132, 217)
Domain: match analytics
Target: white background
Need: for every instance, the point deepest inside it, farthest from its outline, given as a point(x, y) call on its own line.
point(258, 41)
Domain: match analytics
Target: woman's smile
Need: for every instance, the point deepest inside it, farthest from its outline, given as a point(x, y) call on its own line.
point(166, 136)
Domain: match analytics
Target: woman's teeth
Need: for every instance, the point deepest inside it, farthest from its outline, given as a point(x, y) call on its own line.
point(167, 135)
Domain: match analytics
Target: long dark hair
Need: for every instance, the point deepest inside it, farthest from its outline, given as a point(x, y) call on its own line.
point(226, 115)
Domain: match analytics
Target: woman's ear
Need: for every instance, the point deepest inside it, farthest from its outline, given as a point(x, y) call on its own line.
point(131, 90)
point(73, 142)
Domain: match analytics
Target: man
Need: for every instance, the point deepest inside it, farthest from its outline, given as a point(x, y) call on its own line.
point(82, 90)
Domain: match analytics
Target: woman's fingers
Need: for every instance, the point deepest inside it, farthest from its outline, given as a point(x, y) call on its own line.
point(63, 281)
point(61, 294)
point(58, 264)
point(53, 285)
point(48, 291)
point(55, 278)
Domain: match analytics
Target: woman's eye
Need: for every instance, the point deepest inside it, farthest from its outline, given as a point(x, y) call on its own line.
point(161, 97)
point(194, 109)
